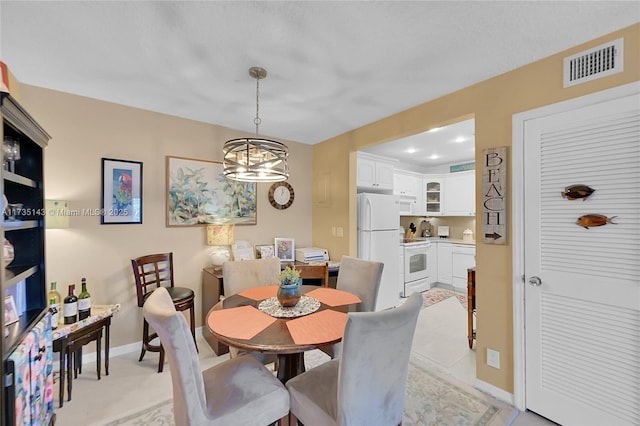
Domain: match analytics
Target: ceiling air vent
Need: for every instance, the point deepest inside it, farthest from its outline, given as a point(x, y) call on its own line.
point(594, 63)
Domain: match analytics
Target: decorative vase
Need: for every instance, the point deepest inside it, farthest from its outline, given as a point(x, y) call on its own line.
point(288, 294)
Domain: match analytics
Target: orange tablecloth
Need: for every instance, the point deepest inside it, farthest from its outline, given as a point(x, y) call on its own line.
point(333, 297)
point(260, 293)
point(320, 327)
point(243, 322)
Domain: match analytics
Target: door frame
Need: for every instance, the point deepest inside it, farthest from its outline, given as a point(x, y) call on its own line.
point(517, 218)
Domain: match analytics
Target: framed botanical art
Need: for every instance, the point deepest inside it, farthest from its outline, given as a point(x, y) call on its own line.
point(265, 251)
point(285, 249)
point(10, 310)
point(121, 198)
point(199, 194)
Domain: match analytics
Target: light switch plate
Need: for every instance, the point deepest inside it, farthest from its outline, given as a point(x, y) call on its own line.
point(493, 358)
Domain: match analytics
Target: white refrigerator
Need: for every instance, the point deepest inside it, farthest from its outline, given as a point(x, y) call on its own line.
point(378, 223)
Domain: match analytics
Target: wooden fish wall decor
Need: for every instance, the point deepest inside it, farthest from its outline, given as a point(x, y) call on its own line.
point(592, 220)
point(575, 192)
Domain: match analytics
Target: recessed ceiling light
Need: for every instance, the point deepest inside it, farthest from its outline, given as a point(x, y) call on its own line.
point(435, 129)
point(434, 157)
point(460, 139)
point(411, 150)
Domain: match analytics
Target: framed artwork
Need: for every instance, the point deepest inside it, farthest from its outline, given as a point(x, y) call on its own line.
point(285, 249)
point(121, 198)
point(242, 250)
point(10, 310)
point(199, 194)
point(265, 251)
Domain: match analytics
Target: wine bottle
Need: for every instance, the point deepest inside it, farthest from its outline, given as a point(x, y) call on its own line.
point(71, 306)
point(55, 316)
point(53, 294)
point(84, 302)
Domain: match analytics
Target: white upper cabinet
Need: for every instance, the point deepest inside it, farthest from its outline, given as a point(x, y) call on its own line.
point(375, 174)
point(460, 194)
point(433, 192)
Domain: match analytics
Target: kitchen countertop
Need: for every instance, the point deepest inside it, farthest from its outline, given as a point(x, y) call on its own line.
point(451, 240)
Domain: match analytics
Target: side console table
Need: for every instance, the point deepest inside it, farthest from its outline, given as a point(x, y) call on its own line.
point(471, 304)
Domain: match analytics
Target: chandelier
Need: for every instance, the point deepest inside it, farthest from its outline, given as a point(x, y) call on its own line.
point(255, 159)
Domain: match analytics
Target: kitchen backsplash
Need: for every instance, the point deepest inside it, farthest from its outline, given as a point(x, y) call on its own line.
point(456, 224)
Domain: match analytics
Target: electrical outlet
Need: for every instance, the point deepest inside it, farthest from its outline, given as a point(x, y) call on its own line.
point(340, 231)
point(493, 358)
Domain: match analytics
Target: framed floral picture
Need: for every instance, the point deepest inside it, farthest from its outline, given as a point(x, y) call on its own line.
point(121, 200)
point(265, 251)
point(10, 310)
point(199, 194)
point(285, 249)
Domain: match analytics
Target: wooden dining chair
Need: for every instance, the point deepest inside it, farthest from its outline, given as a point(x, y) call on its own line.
point(238, 391)
point(153, 271)
point(314, 272)
point(367, 384)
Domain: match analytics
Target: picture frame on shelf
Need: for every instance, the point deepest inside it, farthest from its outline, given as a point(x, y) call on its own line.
point(242, 250)
point(199, 194)
point(121, 197)
point(10, 310)
point(285, 249)
point(265, 251)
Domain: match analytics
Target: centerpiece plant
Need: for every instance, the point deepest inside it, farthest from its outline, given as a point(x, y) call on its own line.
point(289, 290)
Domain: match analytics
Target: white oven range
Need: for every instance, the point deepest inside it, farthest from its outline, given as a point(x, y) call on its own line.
point(415, 267)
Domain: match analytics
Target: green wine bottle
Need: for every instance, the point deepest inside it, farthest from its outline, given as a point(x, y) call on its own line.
point(84, 302)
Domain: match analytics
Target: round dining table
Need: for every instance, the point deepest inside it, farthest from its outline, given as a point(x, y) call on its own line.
point(237, 321)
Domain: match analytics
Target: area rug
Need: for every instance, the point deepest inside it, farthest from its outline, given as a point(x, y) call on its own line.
point(432, 398)
point(437, 294)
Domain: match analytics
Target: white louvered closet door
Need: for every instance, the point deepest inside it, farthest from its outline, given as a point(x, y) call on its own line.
point(583, 321)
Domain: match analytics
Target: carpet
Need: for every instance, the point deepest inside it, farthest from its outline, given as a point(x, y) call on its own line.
point(437, 294)
point(432, 398)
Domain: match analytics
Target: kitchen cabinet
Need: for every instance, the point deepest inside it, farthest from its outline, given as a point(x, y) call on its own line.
point(374, 174)
point(460, 194)
point(24, 274)
point(401, 268)
point(433, 191)
point(408, 187)
point(463, 257)
point(432, 264)
point(444, 262)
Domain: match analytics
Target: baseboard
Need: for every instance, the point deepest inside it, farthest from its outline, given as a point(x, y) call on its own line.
point(495, 392)
point(88, 357)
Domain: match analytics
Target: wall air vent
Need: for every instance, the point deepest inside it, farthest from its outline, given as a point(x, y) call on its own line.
point(591, 64)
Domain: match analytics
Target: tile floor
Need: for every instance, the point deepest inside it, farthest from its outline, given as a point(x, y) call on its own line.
point(440, 339)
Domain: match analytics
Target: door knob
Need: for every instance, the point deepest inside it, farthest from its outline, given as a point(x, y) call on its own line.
point(535, 281)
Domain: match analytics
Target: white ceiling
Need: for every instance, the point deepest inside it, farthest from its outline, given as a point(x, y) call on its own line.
point(333, 66)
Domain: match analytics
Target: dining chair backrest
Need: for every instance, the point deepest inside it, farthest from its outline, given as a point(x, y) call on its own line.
point(189, 401)
point(241, 275)
point(315, 272)
point(362, 278)
point(374, 364)
point(150, 272)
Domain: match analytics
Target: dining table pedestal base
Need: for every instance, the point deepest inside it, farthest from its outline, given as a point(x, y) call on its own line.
point(289, 366)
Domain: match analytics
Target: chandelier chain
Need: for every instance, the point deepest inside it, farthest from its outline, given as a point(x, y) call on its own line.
point(257, 120)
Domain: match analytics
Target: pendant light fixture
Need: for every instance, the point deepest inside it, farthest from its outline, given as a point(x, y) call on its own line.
point(256, 159)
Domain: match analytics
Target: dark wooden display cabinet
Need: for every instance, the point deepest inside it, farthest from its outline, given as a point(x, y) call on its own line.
point(24, 185)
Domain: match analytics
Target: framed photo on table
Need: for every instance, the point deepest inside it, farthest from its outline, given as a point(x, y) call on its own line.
point(10, 310)
point(121, 198)
point(285, 249)
point(265, 251)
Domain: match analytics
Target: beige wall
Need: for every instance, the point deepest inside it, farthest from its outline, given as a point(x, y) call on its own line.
point(492, 103)
point(84, 131)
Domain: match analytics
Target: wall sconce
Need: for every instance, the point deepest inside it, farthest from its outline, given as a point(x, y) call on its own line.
point(220, 236)
point(57, 214)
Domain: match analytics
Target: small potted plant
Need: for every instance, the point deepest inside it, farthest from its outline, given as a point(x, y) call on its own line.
point(289, 290)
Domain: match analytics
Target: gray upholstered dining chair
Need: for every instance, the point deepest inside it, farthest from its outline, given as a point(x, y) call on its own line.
point(362, 278)
point(237, 391)
point(367, 384)
point(245, 274)
point(242, 275)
